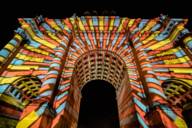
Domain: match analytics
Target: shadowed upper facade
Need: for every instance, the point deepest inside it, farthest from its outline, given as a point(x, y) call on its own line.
point(48, 61)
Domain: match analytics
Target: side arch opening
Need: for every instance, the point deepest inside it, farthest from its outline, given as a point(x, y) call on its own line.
point(179, 95)
point(17, 96)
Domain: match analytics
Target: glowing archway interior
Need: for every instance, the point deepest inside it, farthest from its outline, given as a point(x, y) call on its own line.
point(100, 64)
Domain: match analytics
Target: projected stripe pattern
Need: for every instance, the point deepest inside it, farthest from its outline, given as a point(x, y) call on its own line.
point(45, 42)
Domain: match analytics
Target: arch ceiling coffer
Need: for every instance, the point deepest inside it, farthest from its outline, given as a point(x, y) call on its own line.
point(100, 64)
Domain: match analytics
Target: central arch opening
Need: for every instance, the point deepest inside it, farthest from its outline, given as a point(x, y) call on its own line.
point(99, 84)
point(98, 108)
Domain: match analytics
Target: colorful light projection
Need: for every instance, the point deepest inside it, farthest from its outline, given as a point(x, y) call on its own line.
point(152, 50)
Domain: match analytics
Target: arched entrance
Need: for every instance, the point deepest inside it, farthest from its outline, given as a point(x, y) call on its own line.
point(98, 108)
point(106, 66)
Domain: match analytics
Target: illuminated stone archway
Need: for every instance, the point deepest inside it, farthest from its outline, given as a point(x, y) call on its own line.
point(100, 65)
point(153, 51)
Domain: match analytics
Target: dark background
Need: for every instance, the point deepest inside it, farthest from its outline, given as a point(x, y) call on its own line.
point(11, 10)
